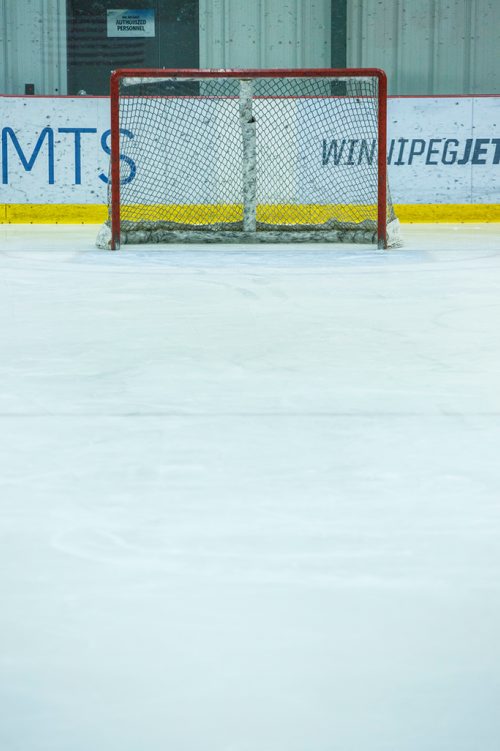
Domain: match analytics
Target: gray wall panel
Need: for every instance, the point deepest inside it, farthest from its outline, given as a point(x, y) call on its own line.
point(428, 46)
point(33, 46)
point(485, 53)
point(265, 33)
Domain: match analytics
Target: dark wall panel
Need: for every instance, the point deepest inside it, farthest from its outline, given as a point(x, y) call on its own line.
point(339, 33)
point(92, 55)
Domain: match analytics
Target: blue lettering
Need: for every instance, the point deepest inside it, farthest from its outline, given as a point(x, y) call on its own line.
point(417, 148)
point(363, 151)
point(399, 161)
point(78, 149)
point(351, 151)
point(431, 151)
point(107, 149)
point(480, 150)
point(446, 151)
point(496, 143)
point(337, 154)
point(326, 152)
point(465, 158)
point(28, 164)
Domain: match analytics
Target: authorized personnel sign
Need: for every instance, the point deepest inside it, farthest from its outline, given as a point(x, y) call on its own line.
point(131, 23)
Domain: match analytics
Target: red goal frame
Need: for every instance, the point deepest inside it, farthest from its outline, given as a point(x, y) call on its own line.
point(193, 74)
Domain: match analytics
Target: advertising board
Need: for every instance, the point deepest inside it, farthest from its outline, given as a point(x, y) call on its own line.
point(443, 155)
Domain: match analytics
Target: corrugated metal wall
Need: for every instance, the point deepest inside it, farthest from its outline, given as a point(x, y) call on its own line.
point(428, 46)
point(33, 46)
point(265, 33)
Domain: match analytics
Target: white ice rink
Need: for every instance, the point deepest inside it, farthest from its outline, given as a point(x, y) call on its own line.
point(250, 497)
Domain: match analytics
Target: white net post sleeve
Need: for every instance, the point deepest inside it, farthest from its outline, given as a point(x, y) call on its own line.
point(249, 171)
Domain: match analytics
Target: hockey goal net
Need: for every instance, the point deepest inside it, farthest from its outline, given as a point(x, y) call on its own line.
point(248, 156)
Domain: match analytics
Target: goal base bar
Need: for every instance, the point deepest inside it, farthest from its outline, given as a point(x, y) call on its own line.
point(168, 236)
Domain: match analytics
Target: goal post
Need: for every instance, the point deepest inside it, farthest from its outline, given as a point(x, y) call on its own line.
point(249, 156)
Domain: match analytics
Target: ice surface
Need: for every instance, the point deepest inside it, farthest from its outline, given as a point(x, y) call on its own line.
point(250, 498)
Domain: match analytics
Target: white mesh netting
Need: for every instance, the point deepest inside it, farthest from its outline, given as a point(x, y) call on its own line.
point(263, 160)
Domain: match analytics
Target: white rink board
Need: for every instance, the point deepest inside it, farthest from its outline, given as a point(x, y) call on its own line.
point(441, 150)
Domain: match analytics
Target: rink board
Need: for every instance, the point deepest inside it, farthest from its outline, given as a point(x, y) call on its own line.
point(443, 155)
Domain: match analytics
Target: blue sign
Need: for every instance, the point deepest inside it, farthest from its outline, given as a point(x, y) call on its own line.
point(131, 23)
